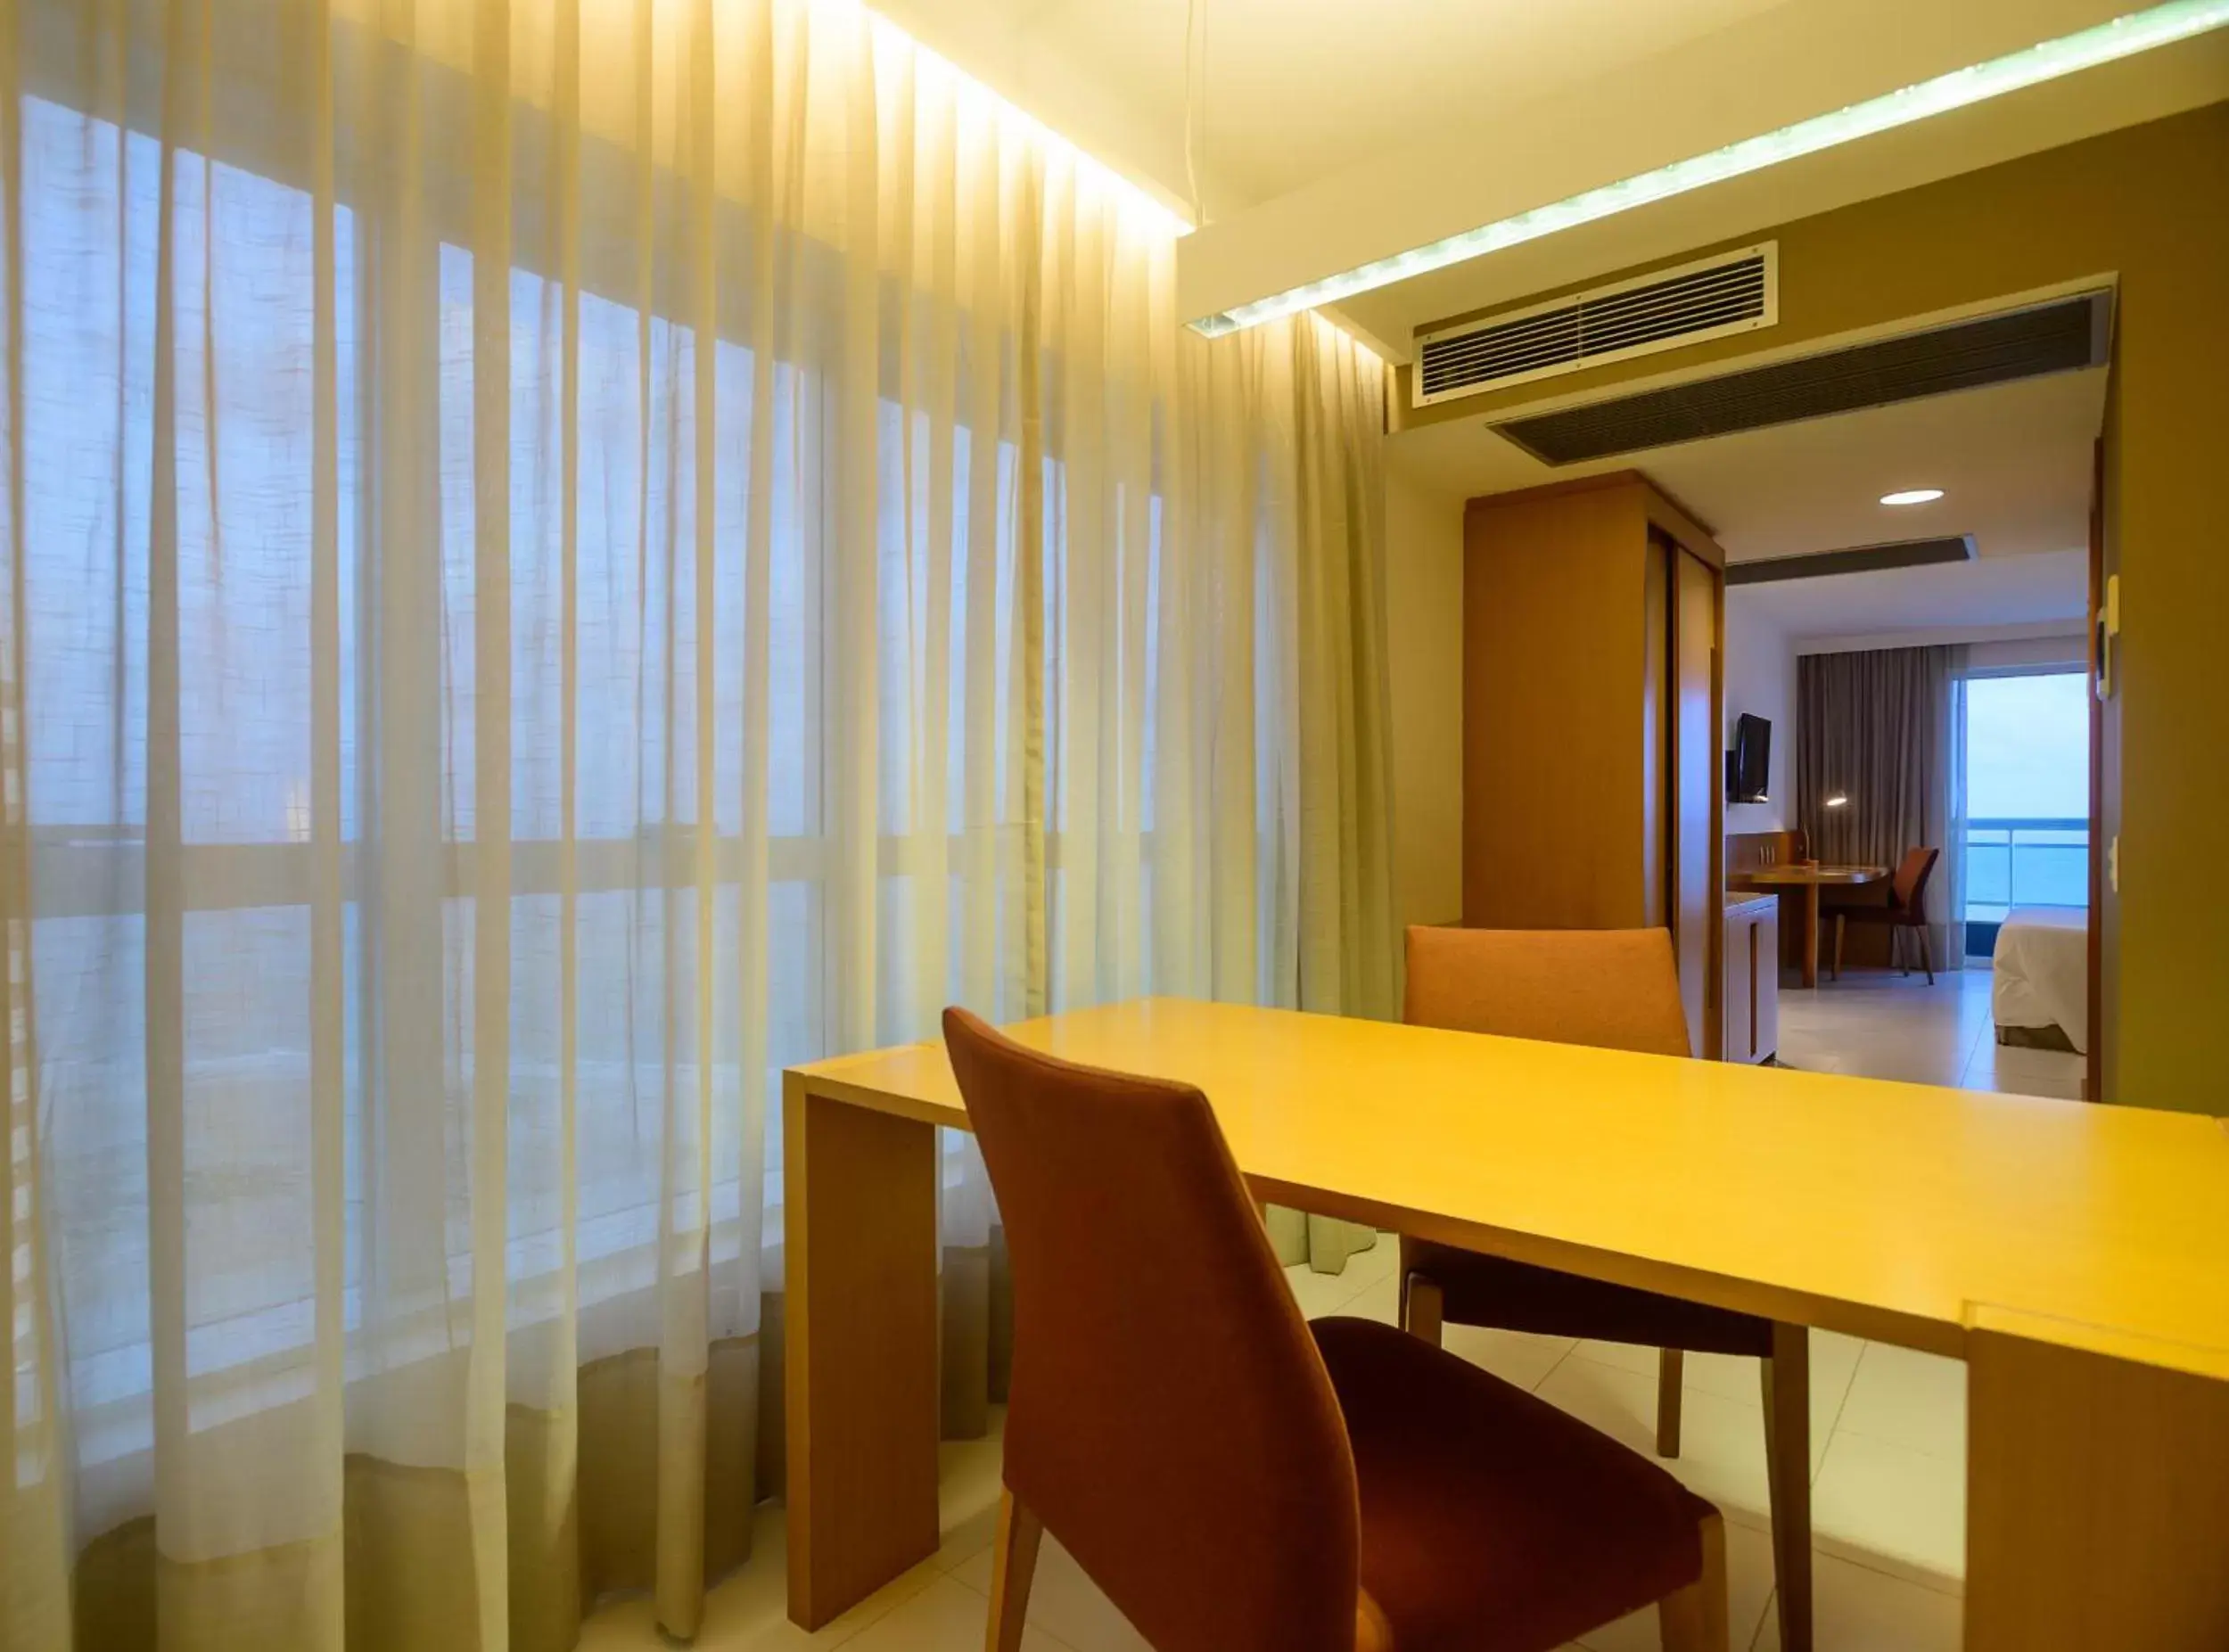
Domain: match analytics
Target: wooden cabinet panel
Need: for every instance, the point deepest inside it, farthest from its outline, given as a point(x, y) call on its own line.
point(1739, 1021)
point(1765, 985)
point(1752, 980)
point(1695, 786)
point(1591, 774)
point(1553, 804)
point(1660, 707)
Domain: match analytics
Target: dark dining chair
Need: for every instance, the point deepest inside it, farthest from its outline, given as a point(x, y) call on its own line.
point(1613, 989)
point(1906, 912)
point(1236, 1479)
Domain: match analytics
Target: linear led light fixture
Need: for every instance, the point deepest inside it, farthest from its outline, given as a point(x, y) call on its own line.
point(896, 38)
point(2106, 43)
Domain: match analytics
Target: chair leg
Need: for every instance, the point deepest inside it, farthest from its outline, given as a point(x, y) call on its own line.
point(1899, 953)
point(1012, 1563)
point(1787, 1379)
point(1420, 1307)
point(1671, 1378)
point(1695, 1619)
point(1838, 926)
point(1927, 953)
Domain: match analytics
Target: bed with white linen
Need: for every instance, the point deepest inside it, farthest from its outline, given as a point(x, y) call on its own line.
point(2043, 977)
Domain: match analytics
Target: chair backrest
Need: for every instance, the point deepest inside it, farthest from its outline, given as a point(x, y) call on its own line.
point(1908, 888)
point(1169, 1419)
point(1616, 989)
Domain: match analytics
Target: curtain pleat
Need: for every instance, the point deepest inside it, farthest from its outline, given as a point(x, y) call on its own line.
point(1880, 728)
point(34, 1445)
point(564, 555)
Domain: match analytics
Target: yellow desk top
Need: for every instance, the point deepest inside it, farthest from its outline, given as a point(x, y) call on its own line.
point(1903, 1212)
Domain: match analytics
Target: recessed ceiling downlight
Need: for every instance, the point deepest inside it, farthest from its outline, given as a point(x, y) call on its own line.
point(1913, 496)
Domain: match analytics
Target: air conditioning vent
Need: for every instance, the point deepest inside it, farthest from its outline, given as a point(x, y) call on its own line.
point(1855, 559)
point(1734, 293)
point(2059, 336)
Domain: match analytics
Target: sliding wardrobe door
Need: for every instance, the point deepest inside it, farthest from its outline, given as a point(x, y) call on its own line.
point(1694, 789)
point(1659, 708)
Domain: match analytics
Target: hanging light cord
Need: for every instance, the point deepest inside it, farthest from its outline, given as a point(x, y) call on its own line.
point(1195, 86)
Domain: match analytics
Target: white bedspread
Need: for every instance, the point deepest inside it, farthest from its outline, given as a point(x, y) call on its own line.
point(2042, 971)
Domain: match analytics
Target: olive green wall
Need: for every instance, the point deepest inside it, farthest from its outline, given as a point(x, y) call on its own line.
point(2150, 203)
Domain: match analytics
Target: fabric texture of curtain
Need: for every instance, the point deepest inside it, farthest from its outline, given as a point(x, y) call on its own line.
point(564, 555)
point(1882, 729)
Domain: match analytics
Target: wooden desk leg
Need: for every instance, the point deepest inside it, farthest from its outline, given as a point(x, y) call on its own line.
point(861, 1358)
point(1811, 934)
point(2097, 1496)
point(1787, 1396)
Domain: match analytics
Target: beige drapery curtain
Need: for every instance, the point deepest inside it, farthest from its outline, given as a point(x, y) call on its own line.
point(562, 556)
point(1310, 405)
point(1883, 728)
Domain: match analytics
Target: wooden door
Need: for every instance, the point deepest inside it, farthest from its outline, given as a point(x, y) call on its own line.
point(1658, 708)
point(1694, 790)
point(1554, 803)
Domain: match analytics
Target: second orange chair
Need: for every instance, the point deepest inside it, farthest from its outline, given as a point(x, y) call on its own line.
point(1615, 988)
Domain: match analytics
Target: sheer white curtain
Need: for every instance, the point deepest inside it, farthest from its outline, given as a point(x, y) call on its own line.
point(562, 556)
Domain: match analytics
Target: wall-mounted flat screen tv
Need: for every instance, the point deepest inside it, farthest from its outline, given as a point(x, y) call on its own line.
point(1750, 765)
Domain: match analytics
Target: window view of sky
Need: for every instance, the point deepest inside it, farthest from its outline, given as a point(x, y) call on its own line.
point(2027, 747)
point(2027, 759)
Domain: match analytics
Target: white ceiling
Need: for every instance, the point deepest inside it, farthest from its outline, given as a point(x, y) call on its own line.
point(2140, 89)
point(1287, 91)
point(2042, 593)
point(1325, 129)
point(2013, 462)
point(1332, 134)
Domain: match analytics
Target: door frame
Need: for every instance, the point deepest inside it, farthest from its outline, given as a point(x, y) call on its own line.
point(2093, 1068)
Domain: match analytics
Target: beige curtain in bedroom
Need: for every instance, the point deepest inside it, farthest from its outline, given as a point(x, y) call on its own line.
point(1884, 729)
point(563, 555)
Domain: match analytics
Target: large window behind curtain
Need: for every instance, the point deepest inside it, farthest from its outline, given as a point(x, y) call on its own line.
point(566, 557)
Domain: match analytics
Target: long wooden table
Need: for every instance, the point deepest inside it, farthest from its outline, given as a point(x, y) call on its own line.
point(2076, 1256)
point(1811, 877)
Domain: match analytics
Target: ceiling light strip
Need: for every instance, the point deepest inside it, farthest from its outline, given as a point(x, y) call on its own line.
point(2124, 36)
point(896, 39)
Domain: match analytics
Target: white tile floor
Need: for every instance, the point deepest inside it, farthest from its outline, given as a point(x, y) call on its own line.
point(1886, 1025)
point(1887, 1450)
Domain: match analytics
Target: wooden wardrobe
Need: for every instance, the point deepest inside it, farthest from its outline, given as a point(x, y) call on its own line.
point(1594, 782)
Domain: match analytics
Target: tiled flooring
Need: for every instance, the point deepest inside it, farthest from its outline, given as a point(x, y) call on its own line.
point(1887, 1025)
point(1888, 1426)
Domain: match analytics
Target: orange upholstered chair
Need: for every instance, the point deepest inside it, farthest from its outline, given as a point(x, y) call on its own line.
point(1237, 1480)
point(1906, 910)
point(1615, 988)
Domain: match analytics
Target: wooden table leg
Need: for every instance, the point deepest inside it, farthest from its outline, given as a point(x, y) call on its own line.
point(1787, 1396)
point(1811, 934)
point(861, 1358)
point(2097, 1496)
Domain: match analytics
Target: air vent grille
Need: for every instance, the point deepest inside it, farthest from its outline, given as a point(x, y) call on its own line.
point(1733, 293)
point(2057, 337)
point(1855, 559)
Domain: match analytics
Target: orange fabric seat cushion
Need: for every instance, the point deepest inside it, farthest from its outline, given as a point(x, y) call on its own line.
point(1560, 1529)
